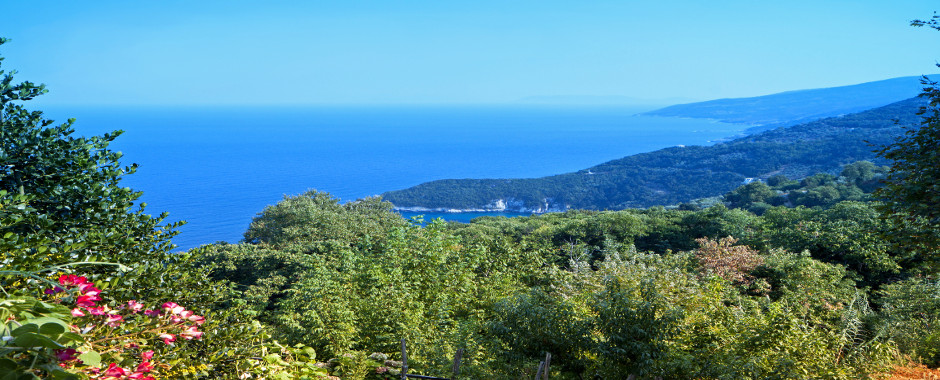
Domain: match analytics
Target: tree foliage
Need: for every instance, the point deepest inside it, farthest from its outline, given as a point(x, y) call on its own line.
point(63, 211)
point(68, 190)
point(912, 191)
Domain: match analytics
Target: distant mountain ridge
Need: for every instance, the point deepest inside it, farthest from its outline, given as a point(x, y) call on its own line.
point(794, 107)
point(600, 100)
point(678, 174)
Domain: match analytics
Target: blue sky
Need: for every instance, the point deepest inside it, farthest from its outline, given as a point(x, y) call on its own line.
point(414, 52)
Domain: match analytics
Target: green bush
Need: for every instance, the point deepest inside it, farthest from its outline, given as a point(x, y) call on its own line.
point(910, 316)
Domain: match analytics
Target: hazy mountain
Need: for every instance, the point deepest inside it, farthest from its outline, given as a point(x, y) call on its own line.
point(794, 107)
point(600, 100)
point(678, 174)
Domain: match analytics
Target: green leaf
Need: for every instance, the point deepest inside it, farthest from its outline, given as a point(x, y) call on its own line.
point(7, 365)
point(47, 308)
point(51, 329)
point(70, 337)
point(18, 375)
point(31, 339)
point(91, 359)
point(25, 329)
point(62, 375)
point(48, 320)
point(272, 358)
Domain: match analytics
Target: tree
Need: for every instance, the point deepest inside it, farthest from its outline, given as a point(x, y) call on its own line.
point(912, 188)
point(753, 192)
point(316, 222)
point(70, 189)
point(62, 208)
point(913, 183)
point(818, 179)
point(821, 196)
point(776, 180)
point(858, 172)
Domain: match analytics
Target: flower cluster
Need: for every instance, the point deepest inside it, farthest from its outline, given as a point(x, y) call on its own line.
point(172, 313)
point(132, 324)
point(177, 315)
point(115, 372)
point(88, 293)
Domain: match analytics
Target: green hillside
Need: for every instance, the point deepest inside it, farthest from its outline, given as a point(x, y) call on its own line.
point(678, 174)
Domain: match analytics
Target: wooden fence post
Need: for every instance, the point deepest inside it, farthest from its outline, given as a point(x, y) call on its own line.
point(404, 361)
point(548, 363)
point(538, 372)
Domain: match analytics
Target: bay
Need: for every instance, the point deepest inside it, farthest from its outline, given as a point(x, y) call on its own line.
point(217, 167)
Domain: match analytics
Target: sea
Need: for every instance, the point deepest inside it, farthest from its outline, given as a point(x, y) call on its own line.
point(218, 167)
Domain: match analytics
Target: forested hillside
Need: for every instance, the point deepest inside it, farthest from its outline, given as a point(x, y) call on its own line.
point(679, 174)
point(794, 107)
point(654, 292)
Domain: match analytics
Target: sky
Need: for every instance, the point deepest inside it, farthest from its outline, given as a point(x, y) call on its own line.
point(233, 52)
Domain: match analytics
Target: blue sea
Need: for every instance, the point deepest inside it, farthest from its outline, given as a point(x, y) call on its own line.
point(217, 167)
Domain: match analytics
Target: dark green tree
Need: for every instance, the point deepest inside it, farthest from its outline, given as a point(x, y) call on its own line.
point(913, 184)
point(859, 172)
point(821, 196)
point(77, 208)
point(753, 192)
point(317, 223)
point(912, 188)
point(62, 203)
point(818, 179)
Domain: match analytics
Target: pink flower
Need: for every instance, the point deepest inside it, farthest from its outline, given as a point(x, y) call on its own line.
point(72, 280)
point(76, 312)
point(89, 289)
point(114, 320)
point(173, 307)
point(145, 367)
point(190, 333)
point(97, 310)
point(168, 338)
point(114, 371)
point(66, 355)
point(146, 355)
point(152, 313)
point(197, 319)
point(87, 301)
point(135, 306)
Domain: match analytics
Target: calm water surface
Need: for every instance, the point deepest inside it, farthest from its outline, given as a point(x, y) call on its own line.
point(216, 168)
